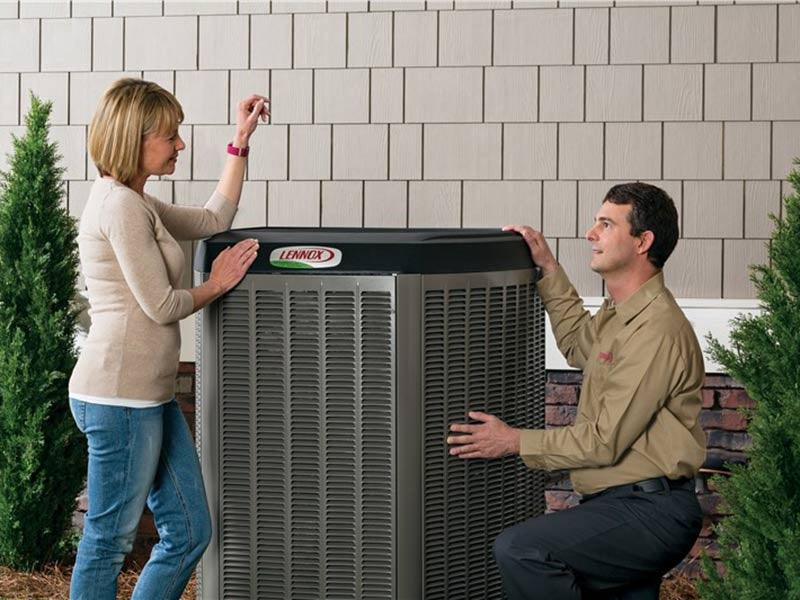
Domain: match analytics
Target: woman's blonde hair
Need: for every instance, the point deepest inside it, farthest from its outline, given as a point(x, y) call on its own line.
point(128, 111)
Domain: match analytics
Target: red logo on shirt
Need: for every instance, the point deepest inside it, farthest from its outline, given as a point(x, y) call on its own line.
point(606, 357)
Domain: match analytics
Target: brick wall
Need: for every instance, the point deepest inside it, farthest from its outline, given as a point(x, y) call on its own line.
point(724, 425)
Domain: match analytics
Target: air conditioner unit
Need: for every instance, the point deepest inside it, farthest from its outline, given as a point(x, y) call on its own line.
point(326, 384)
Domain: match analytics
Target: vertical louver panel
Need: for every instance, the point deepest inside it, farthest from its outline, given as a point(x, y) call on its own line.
point(305, 455)
point(271, 455)
point(377, 433)
point(342, 446)
point(236, 464)
point(475, 345)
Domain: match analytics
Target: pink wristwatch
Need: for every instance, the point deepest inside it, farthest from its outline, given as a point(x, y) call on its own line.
point(238, 151)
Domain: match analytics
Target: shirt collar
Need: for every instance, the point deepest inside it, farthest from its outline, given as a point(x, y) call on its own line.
point(641, 298)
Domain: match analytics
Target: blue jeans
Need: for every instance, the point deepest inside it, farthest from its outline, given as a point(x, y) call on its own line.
point(138, 456)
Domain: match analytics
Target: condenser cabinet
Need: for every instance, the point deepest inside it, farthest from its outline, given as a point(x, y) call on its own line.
point(327, 381)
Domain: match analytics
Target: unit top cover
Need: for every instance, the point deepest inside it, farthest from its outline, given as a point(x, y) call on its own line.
point(330, 251)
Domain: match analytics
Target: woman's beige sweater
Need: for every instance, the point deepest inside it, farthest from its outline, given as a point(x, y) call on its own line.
point(133, 268)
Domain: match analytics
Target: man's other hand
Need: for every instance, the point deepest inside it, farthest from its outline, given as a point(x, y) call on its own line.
point(491, 438)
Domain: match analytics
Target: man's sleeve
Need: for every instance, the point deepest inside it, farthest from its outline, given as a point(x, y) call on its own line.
point(636, 387)
point(573, 325)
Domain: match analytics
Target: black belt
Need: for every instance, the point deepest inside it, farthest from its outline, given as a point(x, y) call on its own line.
point(648, 486)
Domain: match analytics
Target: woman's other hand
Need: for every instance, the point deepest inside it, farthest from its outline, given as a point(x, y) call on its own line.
point(247, 113)
point(231, 265)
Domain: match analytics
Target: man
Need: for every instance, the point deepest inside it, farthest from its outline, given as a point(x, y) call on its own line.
point(636, 444)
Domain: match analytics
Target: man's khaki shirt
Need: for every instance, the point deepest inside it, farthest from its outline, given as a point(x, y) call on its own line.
point(641, 394)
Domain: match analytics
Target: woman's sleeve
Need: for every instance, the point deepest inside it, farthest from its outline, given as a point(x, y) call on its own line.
point(193, 222)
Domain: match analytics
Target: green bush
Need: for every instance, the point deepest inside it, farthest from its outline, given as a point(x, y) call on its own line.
point(42, 454)
point(759, 544)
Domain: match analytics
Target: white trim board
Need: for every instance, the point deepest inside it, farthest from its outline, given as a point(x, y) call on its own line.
point(707, 315)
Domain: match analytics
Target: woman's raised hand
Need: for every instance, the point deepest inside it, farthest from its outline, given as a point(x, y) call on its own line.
point(247, 113)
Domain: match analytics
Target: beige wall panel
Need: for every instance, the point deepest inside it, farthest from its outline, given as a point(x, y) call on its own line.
point(385, 204)
point(193, 193)
point(349, 6)
point(713, 209)
point(640, 35)
point(160, 43)
point(761, 198)
point(298, 6)
point(23, 37)
point(396, 5)
point(614, 93)
point(77, 195)
point(223, 42)
point(91, 8)
point(692, 150)
point(775, 91)
point(533, 37)
point(291, 100)
point(434, 204)
point(199, 7)
point(529, 151)
point(511, 94)
point(270, 41)
point(465, 38)
point(342, 202)
point(254, 7)
point(203, 95)
point(252, 206)
point(444, 95)
point(71, 141)
point(107, 44)
point(369, 40)
point(580, 151)
point(43, 9)
point(478, 4)
point(10, 98)
point(738, 257)
point(360, 151)
point(692, 39)
point(209, 150)
point(633, 150)
point(673, 92)
point(695, 269)
point(574, 256)
point(727, 92)
point(293, 204)
point(66, 45)
point(386, 89)
point(137, 8)
point(320, 40)
point(310, 152)
point(47, 86)
point(747, 147)
point(9, 10)
point(85, 91)
point(405, 151)
point(500, 203)
point(439, 5)
point(243, 84)
point(462, 151)
point(269, 154)
point(785, 147)
point(341, 96)
point(561, 93)
point(746, 33)
point(559, 208)
point(160, 189)
point(591, 36)
point(788, 26)
point(415, 39)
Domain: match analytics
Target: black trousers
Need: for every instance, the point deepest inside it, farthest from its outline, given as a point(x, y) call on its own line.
point(614, 545)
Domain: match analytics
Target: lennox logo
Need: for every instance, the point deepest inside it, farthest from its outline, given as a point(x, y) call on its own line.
point(305, 257)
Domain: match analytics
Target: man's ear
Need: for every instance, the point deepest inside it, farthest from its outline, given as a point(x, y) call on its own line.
point(646, 239)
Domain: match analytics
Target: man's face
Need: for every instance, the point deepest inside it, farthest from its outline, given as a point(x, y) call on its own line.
point(613, 246)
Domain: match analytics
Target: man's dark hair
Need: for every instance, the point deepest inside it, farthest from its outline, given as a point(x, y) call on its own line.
point(651, 210)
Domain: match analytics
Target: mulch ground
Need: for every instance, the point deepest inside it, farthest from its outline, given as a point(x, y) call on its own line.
point(53, 584)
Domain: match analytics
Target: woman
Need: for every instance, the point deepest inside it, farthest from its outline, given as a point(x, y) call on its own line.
point(122, 388)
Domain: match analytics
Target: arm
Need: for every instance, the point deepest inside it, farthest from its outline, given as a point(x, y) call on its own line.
point(573, 326)
point(191, 223)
